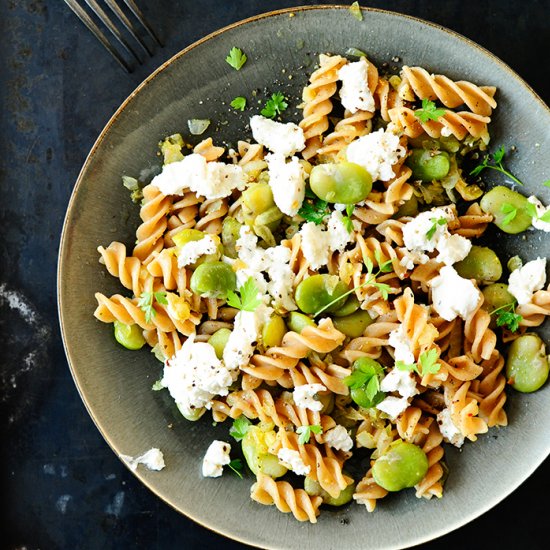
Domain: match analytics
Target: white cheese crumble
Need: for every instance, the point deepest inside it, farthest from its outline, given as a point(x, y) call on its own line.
point(448, 428)
point(377, 152)
point(216, 457)
point(355, 94)
point(401, 381)
point(412, 257)
point(213, 180)
point(401, 344)
point(338, 438)
point(424, 234)
point(453, 296)
point(541, 210)
point(194, 375)
point(526, 280)
point(284, 139)
point(393, 406)
point(318, 243)
point(293, 461)
point(191, 251)
point(304, 396)
point(153, 459)
point(287, 182)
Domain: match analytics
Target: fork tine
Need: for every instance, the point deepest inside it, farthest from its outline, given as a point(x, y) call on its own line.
point(126, 22)
point(139, 16)
point(95, 7)
point(87, 20)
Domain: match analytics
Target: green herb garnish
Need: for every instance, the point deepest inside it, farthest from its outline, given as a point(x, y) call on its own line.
point(236, 58)
point(429, 111)
point(145, 303)
point(305, 433)
point(346, 220)
point(157, 386)
point(511, 212)
point(239, 103)
point(275, 105)
point(427, 363)
point(364, 383)
point(248, 301)
point(506, 316)
point(355, 10)
point(494, 162)
point(314, 210)
point(237, 466)
point(240, 427)
point(435, 222)
point(546, 183)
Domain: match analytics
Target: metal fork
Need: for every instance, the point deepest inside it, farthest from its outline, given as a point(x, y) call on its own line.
point(94, 5)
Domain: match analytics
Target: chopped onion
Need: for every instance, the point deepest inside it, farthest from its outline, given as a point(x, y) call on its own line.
point(198, 126)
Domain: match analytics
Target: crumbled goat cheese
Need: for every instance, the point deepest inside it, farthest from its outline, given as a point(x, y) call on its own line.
point(153, 459)
point(448, 428)
point(524, 281)
point(393, 406)
point(216, 457)
point(319, 243)
point(194, 375)
point(417, 238)
point(401, 344)
point(243, 338)
point(377, 152)
point(338, 438)
point(453, 296)
point(401, 381)
point(304, 396)
point(412, 257)
point(293, 461)
point(284, 139)
point(213, 180)
point(190, 252)
point(287, 182)
point(273, 261)
point(541, 210)
point(355, 94)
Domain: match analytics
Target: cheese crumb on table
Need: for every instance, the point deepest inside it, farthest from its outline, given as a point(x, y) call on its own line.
point(216, 457)
point(153, 459)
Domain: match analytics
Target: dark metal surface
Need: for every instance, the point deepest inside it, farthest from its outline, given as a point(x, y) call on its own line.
point(62, 486)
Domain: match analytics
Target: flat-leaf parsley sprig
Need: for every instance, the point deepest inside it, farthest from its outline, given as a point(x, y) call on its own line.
point(506, 316)
point(429, 111)
point(240, 427)
point(239, 103)
point(236, 466)
point(305, 433)
point(314, 209)
point(275, 105)
point(494, 162)
point(236, 58)
point(249, 296)
point(427, 363)
point(435, 222)
point(145, 303)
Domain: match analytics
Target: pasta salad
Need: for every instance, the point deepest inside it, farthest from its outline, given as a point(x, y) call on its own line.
point(323, 287)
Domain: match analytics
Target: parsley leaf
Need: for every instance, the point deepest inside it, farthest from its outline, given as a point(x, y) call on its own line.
point(346, 220)
point(384, 267)
point(237, 466)
point(429, 111)
point(427, 363)
point(239, 103)
point(546, 183)
point(496, 159)
point(507, 317)
point(510, 211)
point(305, 433)
point(355, 10)
point(240, 427)
point(145, 303)
point(274, 106)
point(315, 210)
point(435, 222)
point(248, 300)
point(364, 382)
point(236, 58)
point(545, 217)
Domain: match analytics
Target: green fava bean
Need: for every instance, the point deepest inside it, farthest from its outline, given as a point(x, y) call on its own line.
point(527, 364)
point(402, 465)
point(343, 183)
point(499, 202)
point(255, 445)
point(317, 291)
point(428, 165)
point(351, 306)
point(496, 296)
point(231, 229)
point(353, 325)
point(192, 416)
point(313, 488)
point(408, 208)
point(218, 340)
point(129, 336)
point(298, 321)
point(273, 331)
point(481, 264)
point(213, 280)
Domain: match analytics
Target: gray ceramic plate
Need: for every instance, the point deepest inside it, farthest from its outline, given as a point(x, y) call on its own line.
point(115, 384)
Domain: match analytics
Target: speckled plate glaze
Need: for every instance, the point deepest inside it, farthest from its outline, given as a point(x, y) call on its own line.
point(115, 384)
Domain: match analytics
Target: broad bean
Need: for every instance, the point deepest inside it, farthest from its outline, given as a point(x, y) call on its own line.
point(258, 200)
point(189, 235)
point(273, 331)
point(231, 229)
point(402, 465)
point(527, 364)
point(428, 165)
point(317, 291)
point(298, 321)
point(218, 340)
point(496, 296)
point(481, 264)
point(255, 445)
point(350, 306)
point(129, 336)
point(192, 416)
point(313, 488)
point(499, 201)
point(353, 325)
point(408, 208)
point(213, 280)
point(344, 182)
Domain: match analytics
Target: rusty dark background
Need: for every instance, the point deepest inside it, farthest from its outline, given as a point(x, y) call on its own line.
point(62, 486)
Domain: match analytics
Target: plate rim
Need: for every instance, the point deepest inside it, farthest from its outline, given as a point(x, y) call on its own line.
point(63, 241)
